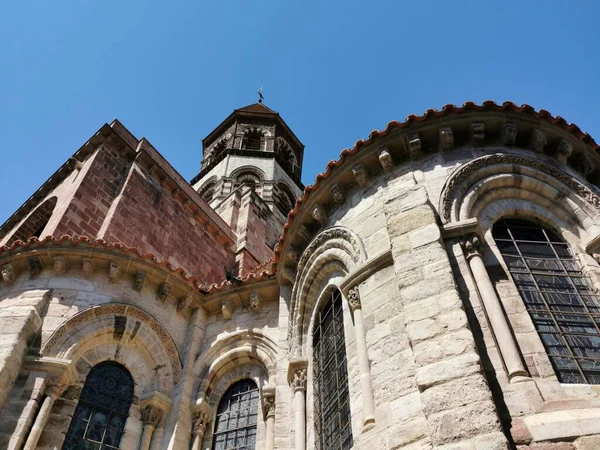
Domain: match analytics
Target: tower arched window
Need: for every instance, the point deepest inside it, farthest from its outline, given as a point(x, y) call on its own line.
point(99, 419)
point(237, 416)
point(253, 141)
point(557, 295)
point(333, 429)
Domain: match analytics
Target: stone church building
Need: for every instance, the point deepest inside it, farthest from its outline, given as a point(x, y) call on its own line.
point(435, 288)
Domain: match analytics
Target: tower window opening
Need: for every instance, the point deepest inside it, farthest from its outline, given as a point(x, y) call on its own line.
point(253, 141)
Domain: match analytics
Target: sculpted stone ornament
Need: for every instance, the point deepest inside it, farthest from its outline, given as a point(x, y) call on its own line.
point(319, 214)
point(35, 267)
point(269, 405)
point(289, 274)
point(386, 160)
point(138, 280)
point(151, 415)
point(60, 264)
point(478, 132)
point(226, 309)
point(87, 267)
point(509, 134)
point(414, 143)
point(184, 302)
point(585, 165)
point(354, 298)
point(199, 422)
point(338, 193)
point(446, 137)
point(163, 291)
point(304, 233)
point(114, 271)
point(8, 274)
point(255, 301)
point(55, 386)
point(299, 380)
point(538, 141)
point(360, 175)
point(471, 246)
point(293, 254)
point(565, 148)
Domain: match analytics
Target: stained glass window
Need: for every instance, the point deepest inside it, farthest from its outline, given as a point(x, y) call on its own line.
point(558, 297)
point(235, 426)
point(333, 429)
point(99, 419)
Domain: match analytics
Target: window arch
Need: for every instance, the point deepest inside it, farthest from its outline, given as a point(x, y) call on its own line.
point(237, 416)
point(252, 141)
point(99, 419)
point(564, 309)
point(333, 430)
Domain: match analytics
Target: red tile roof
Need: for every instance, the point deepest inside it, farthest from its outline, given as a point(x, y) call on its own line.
point(257, 108)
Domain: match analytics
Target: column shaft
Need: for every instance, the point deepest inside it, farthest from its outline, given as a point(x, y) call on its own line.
point(300, 419)
point(197, 441)
point(270, 438)
point(40, 423)
point(146, 437)
point(365, 373)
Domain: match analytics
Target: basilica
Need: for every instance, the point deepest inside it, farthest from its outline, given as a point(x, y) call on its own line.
point(437, 287)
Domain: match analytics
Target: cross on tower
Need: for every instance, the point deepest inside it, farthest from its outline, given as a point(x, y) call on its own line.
point(260, 95)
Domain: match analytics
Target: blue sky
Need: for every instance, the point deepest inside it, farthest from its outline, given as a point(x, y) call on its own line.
point(335, 70)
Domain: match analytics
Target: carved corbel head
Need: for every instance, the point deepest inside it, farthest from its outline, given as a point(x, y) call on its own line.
point(386, 160)
point(163, 291)
point(477, 133)
point(413, 142)
point(138, 280)
point(319, 214)
point(60, 264)
point(360, 175)
point(35, 266)
point(255, 301)
point(338, 193)
point(538, 141)
point(8, 273)
point(509, 134)
point(184, 302)
point(114, 271)
point(87, 267)
point(446, 137)
point(564, 150)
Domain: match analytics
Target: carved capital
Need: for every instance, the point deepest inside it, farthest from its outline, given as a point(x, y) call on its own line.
point(338, 193)
point(60, 264)
point(269, 402)
point(446, 137)
point(138, 280)
point(360, 175)
point(471, 246)
point(354, 298)
point(8, 273)
point(538, 141)
point(151, 415)
point(55, 386)
point(386, 160)
point(319, 214)
point(199, 423)
point(565, 148)
point(413, 142)
point(509, 134)
point(299, 380)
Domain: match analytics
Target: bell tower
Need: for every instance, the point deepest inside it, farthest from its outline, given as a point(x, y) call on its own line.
point(250, 175)
point(255, 148)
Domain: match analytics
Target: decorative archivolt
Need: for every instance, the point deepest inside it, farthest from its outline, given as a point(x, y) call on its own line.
point(224, 358)
point(285, 150)
point(256, 130)
point(464, 191)
point(121, 325)
point(335, 250)
point(248, 170)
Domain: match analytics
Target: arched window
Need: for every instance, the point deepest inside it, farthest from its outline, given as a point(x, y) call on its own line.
point(235, 427)
point(99, 419)
point(253, 141)
point(557, 295)
point(333, 429)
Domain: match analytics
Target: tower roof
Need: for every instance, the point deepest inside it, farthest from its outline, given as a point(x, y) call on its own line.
point(257, 108)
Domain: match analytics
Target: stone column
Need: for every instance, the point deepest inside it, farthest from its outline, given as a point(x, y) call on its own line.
point(362, 356)
point(54, 388)
point(297, 379)
point(506, 344)
point(199, 423)
point(269, 409)
point(151, 415)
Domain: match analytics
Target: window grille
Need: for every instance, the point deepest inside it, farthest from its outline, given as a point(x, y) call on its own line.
point(235, 426)
point(333, 430)
point(99, 419)
point(558, 297)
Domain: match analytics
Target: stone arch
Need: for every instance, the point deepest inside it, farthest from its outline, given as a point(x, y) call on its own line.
point(287, 199)
point(285, 150)
point(35, 223)
point(207, 189)
point(248, 170)
point(123, 333)
point(233, 358)
point(335, 250)
point(517, 184)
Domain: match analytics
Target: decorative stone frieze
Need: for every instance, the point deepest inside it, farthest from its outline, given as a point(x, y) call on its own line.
point(446, 137)
point(114, 272)
point(413, 142)
point(477, 133)
point(386, 160)
point(226, 309)
point(255, 301)
point(184, 302)
point(354, 298)
point(338, 193)
point(509, 134)
point(60, 264)
point(319, 214)
point(151, 415)
point(138, 280)
point(564, 150)
point(8, 273)
point(360, 175)
point(87, 267)
point(163, 291)
point(538, 141)
point(35, 266)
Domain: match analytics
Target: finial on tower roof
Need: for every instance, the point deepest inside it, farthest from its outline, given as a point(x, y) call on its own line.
point(260, 95)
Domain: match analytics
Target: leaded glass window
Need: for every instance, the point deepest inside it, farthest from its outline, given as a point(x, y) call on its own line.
point(99, 419)
point(333, 429)
point(558, 297)
point(235, 427)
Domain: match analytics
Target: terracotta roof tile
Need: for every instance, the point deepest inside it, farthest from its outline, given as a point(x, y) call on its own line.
point(257, 108)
